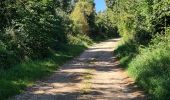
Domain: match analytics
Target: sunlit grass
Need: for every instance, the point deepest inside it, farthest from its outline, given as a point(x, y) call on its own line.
point(14, 80)
point(149, 66)
point(86, 84)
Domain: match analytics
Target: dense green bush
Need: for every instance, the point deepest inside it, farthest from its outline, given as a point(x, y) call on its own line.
point(149, 65)
point(133, 19)
point(47, 31)
point(152, 66)
point(30, 28)
point(79, 39)
point(143, 52)
point(7, 58)
point(14, 80)
point(104, 27)
point(36, 36)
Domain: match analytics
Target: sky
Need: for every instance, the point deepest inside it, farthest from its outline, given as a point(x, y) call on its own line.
point(100, 5)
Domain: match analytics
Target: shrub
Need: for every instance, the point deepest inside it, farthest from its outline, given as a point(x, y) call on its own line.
point(151, 68)
point(79, 39)
point(7, 58)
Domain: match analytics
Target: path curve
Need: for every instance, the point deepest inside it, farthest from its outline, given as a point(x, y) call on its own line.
point(94, 75)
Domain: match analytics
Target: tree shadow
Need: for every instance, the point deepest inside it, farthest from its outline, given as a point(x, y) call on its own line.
point(57, 87)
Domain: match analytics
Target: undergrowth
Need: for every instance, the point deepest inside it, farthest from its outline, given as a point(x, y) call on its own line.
point(149, 65)
point(15, 79)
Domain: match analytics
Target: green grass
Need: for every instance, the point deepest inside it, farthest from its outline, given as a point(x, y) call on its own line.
point(86, 84)
point(126, 51)
point(14, 80)
point(149, 66)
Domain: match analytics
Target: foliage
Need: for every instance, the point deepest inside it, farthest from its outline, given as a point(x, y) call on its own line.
point(132, 18)
point(144, 26)
point(151, 67)
point(66, 5)
point(7, 58)
point(14, 80)
point(80, 39)
point(38, 35)
point(105, 26)
point(84, 9)
point(31, 28)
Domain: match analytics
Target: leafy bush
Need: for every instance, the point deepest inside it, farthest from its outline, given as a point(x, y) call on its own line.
point(14, 80)
point(7, 58)
point(36, 36)
point(149, 65)
point(151, 68)
point(33, 28)
point(79, 39)
point(145, 54)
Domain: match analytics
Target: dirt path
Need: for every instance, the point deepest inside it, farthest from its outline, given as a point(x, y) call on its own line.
point(94, 75)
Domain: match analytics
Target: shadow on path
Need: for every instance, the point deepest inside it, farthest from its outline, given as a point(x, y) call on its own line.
point(109, 81)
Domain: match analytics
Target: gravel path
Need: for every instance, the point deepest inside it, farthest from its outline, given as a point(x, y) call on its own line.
point(94, 75)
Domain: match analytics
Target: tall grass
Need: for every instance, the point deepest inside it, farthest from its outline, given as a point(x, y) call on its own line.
point(15, 79)
point(150, 66)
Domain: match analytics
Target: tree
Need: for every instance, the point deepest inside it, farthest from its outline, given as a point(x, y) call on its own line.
point(82, 15)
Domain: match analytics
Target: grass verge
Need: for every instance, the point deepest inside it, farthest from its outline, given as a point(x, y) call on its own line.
point(149, 66)
point(14, 80)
